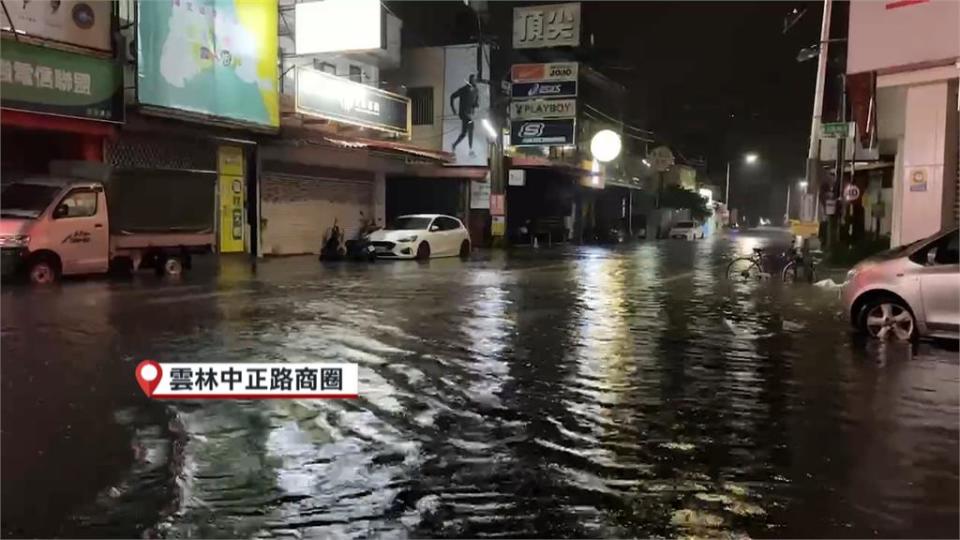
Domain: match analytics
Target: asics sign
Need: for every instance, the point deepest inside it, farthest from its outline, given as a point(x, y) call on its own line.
point(544, 89)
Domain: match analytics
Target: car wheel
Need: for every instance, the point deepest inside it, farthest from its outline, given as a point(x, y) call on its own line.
point(465, 249)
point(887, 317)
point(423, 251)
point(44, 271)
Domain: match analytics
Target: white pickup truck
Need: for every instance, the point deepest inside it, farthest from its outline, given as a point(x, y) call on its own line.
point(86, 219)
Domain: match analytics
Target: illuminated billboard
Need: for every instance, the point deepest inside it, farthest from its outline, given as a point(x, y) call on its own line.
point(338, 25)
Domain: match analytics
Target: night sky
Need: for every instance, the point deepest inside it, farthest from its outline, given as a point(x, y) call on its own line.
point(713, 79)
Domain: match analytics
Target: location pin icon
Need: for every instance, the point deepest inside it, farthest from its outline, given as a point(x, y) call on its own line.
point(148, 376)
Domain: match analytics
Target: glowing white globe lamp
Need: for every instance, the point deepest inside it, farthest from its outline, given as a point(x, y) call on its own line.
point(605, 145)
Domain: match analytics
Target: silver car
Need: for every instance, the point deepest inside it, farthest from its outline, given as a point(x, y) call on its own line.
point(908, 291)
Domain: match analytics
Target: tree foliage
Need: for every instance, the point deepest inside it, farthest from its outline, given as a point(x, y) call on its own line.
point(677, 197)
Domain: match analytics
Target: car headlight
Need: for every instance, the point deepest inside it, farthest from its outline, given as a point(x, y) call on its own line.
point(15, 240)
point(408, 239)
point(852, 272)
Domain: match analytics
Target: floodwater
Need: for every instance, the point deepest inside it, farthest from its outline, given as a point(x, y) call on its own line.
point(576, 392)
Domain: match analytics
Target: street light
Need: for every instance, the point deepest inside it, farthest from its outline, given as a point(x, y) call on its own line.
point(605, 145)
point(803, 185)
point(749, 159)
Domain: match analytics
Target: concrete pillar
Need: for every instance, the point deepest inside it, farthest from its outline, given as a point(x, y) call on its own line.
point(926, 175)
point(380, 198)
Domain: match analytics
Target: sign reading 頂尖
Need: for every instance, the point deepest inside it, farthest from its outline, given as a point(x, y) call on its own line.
point(551, 25)
point(50, 81)
point(75, 22)
point(534, 109)
point(327, 96)
point(557, 71)
point(546, 132)
point(214, 58)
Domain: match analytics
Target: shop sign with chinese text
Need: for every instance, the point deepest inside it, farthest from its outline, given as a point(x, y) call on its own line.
point(50, 81)
point(551, 25)
point(327, 96)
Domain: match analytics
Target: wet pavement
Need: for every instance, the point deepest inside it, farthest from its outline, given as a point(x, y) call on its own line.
point(575, 392)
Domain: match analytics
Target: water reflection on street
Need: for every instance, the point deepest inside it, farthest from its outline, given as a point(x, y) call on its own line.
point(571, 392)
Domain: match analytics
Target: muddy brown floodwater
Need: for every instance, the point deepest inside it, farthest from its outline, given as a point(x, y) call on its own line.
point(576, 392)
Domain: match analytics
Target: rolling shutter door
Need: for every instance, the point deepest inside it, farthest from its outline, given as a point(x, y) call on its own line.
point(297, 212)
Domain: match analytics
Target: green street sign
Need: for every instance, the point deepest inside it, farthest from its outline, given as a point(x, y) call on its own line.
point(835, 130)
point(50, 81)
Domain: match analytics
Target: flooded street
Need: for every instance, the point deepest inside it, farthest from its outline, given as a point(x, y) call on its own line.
point(570, 392)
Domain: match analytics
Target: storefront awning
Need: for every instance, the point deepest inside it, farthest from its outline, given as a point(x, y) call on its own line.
point(27, 120)
point(390, 147)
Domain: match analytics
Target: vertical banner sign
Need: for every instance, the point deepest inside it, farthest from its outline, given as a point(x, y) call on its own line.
point(230, 167)
point(210, 57)
point(466, 103)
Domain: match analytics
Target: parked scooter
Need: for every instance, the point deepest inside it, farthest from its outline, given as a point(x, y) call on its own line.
point(333, 249)
point(360, 247)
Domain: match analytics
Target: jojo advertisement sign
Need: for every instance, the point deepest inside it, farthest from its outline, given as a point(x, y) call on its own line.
point(556, 71)
point(215, 58)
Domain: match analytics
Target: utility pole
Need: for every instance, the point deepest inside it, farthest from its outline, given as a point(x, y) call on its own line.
point(812, 157)
point(787, 214)
point(726, 197)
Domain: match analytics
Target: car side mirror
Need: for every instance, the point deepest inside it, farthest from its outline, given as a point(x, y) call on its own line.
point(434, 228)
point(932, 256)
point(61, 211)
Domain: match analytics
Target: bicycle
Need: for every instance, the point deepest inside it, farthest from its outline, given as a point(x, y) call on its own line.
point(799, 266)
point(749, 268)
point(752, 268)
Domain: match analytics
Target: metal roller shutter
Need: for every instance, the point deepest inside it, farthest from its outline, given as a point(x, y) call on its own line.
point(151, 151)
point(297, 212)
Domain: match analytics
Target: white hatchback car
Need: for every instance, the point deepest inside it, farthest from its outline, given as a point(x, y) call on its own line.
point(422, 236)
point(907, 291)
point(686, 229)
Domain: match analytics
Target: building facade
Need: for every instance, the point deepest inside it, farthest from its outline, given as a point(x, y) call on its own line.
point(908, 54)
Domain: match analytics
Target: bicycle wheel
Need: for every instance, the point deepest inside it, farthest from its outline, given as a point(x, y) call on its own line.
point(789, 274)
point(743, 269)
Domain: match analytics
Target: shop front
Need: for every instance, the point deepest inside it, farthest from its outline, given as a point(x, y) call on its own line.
point(311, 181)
point(57, 105)
point(222, 157)
point(203, 120)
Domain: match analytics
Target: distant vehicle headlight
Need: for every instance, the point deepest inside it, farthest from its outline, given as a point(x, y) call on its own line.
point(15, 240)
point(408, 239)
